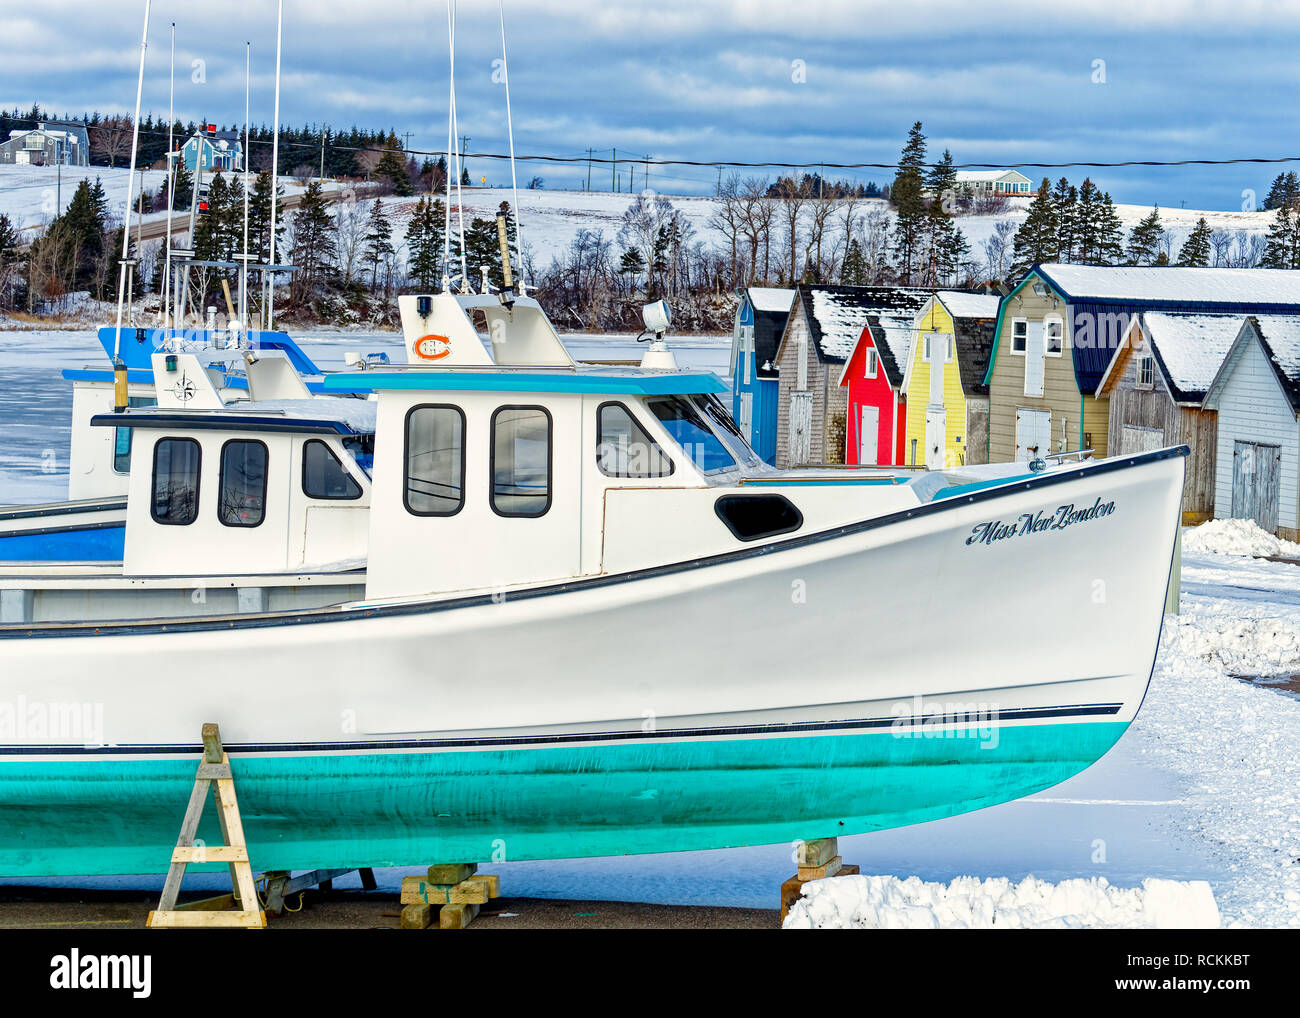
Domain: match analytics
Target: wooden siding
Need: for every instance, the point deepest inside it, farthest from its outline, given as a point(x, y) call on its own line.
point(1060, 390)
point(1252, 408)
point(1134, 407)
point(936, 322)
point(977, 430)
point(829, 401)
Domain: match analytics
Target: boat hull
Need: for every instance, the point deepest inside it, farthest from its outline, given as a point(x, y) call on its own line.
point(914, 666)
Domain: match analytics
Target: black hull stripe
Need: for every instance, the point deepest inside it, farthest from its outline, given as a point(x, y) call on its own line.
point(63, 509)
point(974, 718)
point(327, 615)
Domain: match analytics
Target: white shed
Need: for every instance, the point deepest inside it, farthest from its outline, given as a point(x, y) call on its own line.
point(1257, 395)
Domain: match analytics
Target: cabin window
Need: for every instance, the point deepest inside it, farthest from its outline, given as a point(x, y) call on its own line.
point(323, 476)
point(243, 484)
point(1019, 334)
point(435, 460)
point(869, 364)
point(751, 517)
point(521, 461)
point(623, 449)
point(122, 436)
point(1054, 336)
point(689, 429)
point(175, 481)
point(1146, 372)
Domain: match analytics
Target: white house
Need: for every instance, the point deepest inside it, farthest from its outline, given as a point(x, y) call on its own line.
point(1257, 396)
point(991, 183)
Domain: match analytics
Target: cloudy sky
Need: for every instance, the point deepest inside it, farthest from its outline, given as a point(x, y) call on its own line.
point(747, 80)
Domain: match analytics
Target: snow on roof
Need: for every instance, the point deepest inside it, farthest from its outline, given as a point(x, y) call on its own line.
point(974, 175)
point(1191, 348)
point(768, 298)
point(895, 332)
point(839, 313)
point(1176, 285)
point(969, 305)
point(1281, 334)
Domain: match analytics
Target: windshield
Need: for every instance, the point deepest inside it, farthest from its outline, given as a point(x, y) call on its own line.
point(726, 429)
point(362, 448)
point(689, 428)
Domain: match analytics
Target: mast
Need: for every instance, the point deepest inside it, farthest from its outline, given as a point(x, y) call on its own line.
point(172, 162)
point(451, 127)
point(119, 367)
point(275, 166)
point(455, 129)
point(510, 129)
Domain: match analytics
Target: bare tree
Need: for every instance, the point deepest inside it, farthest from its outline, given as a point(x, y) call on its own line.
point(728, 215)
point(111, 138)
point(793, 196)
point(998, 247)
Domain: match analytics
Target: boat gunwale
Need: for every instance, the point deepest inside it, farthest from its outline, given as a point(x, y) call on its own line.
point(426, 605)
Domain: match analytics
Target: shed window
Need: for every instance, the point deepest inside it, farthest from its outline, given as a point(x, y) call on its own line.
point(176, 481)
point(1146, 369)
point(521, 461)
point(323, 476)
point(1019, 335)
point(1054, 336)
point(435, 460)
point(870, 363)
point(243, 484)
point(623, 449)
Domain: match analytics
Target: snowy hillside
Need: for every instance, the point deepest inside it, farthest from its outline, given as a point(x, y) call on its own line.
point(551, 219)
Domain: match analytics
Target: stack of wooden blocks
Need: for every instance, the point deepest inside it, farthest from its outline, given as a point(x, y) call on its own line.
point(452, 891)
point(816, 860)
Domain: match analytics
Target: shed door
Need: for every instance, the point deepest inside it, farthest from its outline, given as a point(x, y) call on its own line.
point(869, 436)
point(936, 437)
point(747, 415)
point(938, 356)
point(1034, 362)
point(800, 427)
point(1033, 434)
point(1256, 472)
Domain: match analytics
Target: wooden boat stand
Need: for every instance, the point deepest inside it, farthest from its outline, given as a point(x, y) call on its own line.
point(816, 860)
point(240, 908)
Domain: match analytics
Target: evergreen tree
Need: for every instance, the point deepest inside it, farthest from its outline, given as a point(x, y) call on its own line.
point(184, 189)
point(424, 237)
point(909, 204)
point(313, 243)
point(1038, 239)
point(9, 240)
point(853, 272)
point(941, 181)
point(631, 266)
point(1196, 249)
point(1144, 239)
point(1065, 200)
point(259, 218)
point(392, 168)
point(1285, 191)
point(1283, 246)
point(1110, 234)
point(379, 246)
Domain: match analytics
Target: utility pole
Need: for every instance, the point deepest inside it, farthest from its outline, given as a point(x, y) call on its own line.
point(588, 169)
point(464, 151)
point(719, 191)
point(322, 153)
point(613, 171)
point(646, 182)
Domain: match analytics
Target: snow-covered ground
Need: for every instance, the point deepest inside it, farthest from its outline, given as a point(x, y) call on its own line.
point(1205, 786)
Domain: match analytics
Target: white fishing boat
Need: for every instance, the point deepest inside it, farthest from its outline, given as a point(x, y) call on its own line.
point(587, 621)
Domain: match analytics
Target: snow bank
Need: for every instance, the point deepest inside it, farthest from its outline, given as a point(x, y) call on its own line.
point(1240, 645)
point(1235, 537)
point(879, 902)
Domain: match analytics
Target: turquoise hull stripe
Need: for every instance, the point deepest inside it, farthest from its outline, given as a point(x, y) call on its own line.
point(966, 489)
point(795, 482)
point(510, 381)
point(99, 815)
point(100, 544)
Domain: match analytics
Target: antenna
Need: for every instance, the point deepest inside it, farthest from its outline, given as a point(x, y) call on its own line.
point(119, 367)
point(275, 167)
point(510, 129)
point(171, 185)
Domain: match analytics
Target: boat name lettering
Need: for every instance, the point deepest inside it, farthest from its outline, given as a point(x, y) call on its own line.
point(1035, 523)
